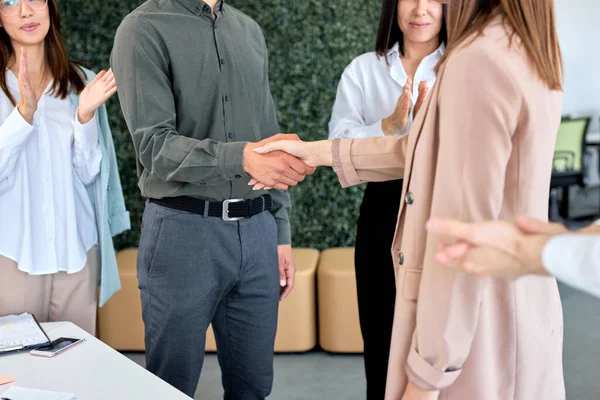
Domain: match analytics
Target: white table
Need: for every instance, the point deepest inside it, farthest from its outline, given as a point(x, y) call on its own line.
point(92, 370)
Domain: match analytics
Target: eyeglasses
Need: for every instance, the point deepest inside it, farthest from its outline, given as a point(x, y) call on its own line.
point(12, 8)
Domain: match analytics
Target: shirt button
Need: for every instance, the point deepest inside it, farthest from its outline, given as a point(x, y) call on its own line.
point(230, 134)
point(401, 258)
point(226, 98)
point(238, 176)
point(197, 10)
point(410, 198)
point(206, 8)
point(222, 61)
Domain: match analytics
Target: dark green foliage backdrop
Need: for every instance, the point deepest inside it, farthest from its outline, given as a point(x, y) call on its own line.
point(310, 42)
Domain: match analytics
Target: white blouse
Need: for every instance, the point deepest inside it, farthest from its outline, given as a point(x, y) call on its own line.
point(47, 221)
point(369, 90)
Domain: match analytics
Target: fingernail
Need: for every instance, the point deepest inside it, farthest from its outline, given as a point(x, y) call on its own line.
point(282, 282)
point(258, 150)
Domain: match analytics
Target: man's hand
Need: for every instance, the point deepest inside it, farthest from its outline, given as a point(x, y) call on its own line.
point(278, 169)
point(491, 248)
point(287, 270)
point(413, 392)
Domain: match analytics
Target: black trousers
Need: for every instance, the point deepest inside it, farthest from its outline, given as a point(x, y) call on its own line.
point(375, 282)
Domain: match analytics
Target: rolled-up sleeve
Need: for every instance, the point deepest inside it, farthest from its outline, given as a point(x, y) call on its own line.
point(356, 161)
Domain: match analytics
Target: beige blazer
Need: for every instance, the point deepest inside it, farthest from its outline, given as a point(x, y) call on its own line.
point(481, 148)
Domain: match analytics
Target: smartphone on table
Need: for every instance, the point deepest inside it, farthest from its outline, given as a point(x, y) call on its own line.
point(57, 346)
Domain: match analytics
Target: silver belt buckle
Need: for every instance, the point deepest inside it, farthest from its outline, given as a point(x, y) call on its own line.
point(225, 214)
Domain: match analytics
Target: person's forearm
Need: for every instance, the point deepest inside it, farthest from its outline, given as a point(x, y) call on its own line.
point(322, 150)
point(573, 259)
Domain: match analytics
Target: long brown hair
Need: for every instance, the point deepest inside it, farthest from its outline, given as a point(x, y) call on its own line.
point(389, 33)
point(67, 75)
point(533, 21)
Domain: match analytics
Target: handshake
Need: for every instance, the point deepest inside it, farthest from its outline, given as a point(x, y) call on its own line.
point(284, 160)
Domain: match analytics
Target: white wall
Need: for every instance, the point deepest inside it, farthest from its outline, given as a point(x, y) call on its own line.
point(578, 25)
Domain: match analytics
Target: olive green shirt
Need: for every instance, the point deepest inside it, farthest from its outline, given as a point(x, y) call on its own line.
point(194, 90)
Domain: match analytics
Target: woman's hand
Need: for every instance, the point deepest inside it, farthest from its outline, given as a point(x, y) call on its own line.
point(399, 118)
point(423, 91)
point(28, 104)
point(313, 154)
point(96, 93)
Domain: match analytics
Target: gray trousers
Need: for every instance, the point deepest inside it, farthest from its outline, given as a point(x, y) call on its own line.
point(193, 270)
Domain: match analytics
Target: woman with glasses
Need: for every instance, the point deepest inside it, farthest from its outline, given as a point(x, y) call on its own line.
point(57, 163)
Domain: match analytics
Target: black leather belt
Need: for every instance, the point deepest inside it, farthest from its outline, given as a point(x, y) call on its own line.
point(228, 210)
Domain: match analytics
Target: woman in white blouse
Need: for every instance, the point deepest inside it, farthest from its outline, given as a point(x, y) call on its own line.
point(49, 152)
point(379, 93)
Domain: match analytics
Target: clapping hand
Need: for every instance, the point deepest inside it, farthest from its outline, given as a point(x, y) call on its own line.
point(28, 103)
point(423, 91)
point(96, 93)
point(399, 119)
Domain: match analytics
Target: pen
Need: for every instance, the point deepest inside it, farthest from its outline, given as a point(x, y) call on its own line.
point(4, 398)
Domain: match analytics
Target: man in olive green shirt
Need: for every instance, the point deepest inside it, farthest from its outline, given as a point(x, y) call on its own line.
point(194, 90)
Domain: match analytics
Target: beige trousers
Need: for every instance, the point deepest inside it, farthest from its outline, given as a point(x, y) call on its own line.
point(53, 297)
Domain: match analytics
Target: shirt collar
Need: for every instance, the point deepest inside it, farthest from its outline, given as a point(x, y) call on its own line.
point(398, 73)
point(395, 49)
point(199, 7)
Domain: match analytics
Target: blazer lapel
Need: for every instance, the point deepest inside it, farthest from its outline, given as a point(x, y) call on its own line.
point(415, 133)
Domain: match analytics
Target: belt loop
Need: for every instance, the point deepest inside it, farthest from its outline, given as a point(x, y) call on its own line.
point(264, 205)
point(206, 205)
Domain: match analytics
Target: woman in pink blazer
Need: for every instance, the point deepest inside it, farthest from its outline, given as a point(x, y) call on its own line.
point(481, 148)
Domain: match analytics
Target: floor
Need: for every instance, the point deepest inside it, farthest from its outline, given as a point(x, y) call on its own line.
point(321, 376)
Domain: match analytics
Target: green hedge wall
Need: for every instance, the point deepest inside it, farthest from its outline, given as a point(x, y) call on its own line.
point(310, 42)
